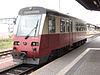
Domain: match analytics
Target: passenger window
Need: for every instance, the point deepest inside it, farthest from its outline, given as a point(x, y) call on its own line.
point(79, 27)
point(71, 26)
point(51, 23)
point(76, 26)
point(68, 26)
point(62, 25)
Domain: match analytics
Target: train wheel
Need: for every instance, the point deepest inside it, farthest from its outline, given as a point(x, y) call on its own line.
point(52, 56)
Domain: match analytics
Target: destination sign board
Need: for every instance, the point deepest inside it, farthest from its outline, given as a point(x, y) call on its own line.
point(31, 12)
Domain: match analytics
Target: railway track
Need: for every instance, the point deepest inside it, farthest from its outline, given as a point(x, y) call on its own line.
point(5, 52)
point(22, 69)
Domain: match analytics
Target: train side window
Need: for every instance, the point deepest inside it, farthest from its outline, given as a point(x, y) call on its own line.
point(62, 25)
point(77, 26)
point(71, 26)
point(84, 27)
point(68, 26)
point(51, 24)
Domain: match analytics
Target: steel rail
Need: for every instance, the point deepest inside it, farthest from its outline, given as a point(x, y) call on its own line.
point(5, 52)
point(20, 69)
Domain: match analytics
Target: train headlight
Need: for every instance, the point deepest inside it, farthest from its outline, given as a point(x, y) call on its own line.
point(34, 44)
point(16, 43)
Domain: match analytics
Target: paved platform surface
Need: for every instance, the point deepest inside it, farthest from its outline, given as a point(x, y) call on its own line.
point(58, 67)
point(6, 62)
point(89, 64)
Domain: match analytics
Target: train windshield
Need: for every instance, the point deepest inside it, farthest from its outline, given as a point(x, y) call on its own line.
point(28, 25)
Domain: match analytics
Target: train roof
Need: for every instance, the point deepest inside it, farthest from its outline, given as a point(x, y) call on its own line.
point(42, 10)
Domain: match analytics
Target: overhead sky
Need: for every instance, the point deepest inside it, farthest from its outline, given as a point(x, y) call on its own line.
point(10, 8)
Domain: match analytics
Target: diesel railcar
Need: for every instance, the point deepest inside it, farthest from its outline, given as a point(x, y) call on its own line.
point(42, 34)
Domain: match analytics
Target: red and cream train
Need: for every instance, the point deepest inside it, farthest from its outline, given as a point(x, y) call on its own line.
point(42, 34)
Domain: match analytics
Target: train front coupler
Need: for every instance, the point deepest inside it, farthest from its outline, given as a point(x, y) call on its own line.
point(19, 55)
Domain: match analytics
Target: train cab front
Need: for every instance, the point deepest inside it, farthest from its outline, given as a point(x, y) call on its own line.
point(26, 51)
point(28, 34)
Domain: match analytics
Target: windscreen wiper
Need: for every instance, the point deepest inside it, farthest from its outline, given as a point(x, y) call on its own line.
point(32, 30)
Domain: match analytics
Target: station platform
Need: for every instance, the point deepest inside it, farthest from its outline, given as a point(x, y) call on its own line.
point(84, 60)
point(88, 63)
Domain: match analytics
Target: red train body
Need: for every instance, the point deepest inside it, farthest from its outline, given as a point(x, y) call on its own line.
point(43, 33)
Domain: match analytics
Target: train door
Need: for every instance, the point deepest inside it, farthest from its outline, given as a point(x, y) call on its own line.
point(51, 31)
point(70, 31)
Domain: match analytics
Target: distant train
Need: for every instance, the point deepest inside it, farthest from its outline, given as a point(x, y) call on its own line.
point(92, 29)
point(43, 34)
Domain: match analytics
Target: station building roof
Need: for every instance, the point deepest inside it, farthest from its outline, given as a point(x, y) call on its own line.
point(90, 4)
